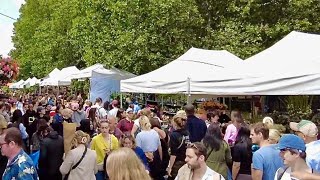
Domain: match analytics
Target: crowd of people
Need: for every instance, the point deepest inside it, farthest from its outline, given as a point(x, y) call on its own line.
point(142, 143)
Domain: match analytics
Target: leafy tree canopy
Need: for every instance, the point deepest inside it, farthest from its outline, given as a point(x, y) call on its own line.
point(142, 35)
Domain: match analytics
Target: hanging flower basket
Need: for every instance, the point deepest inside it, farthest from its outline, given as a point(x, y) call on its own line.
point(9, 70)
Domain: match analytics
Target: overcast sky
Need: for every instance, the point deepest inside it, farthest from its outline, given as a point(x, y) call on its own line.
point(10, 8)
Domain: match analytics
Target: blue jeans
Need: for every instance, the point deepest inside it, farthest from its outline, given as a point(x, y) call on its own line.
point(100, 175)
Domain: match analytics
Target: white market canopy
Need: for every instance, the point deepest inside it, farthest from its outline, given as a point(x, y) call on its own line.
point(87, 72)
point(289, 67)
point(60, 78)
point(184, 75)
point(17, 85)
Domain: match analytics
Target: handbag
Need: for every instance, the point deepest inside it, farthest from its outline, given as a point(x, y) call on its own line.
point(76, 165)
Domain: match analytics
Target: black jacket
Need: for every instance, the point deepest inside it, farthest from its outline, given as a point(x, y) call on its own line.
point(51, 153)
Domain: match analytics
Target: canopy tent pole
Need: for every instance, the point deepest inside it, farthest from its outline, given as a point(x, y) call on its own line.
point(188, 91)
point(121, 100)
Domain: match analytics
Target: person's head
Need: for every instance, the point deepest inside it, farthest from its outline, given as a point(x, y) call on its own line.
point(236, 119)
point(179, 121)
point(155, 123)
point(11, 142)
point(213, 137)
point(259, 132)
point(130, 166)
point(81, 138)
point(292, 149)
point(144, 123)
point(189, 109)
point(115, 103)
point(17, 116)
point(106, 105)
point(213, 117)
point(104, 127)
point(305, 129)
point(129, 113)
point(112, 120)
point(75, 106)
point(127, 140)
point(41, 111)
point(25, 106)
point(268, 121)
point(274, 136)
point(145, 112)
point(86, 126)
point(243, 135)
point(66, 113)
point(2, 106)
point(196, 155)
point(92, 114)
point(3, 126)
point(98, 101)
point(30, 107)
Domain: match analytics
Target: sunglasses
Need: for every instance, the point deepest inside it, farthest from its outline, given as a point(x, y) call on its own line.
point(192, 145)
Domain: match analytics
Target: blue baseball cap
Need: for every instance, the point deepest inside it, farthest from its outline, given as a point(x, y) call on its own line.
point(291, 141)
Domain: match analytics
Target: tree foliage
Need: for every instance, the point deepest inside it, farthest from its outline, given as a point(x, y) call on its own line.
point(142, 35)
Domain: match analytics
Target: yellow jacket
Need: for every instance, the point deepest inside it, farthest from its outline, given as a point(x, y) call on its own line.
point(99, 144)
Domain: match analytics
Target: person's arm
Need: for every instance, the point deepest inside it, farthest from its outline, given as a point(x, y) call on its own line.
point(235, 169)
point(228, 155)
point(256, 174)
point(134, 129)
point(305, 176)
point(257, 166)
point(171, 162)
point(161, 133)
point(227, 135)
point(67, 164)
point(160, 151)
point(43, 154)
point(93, 144)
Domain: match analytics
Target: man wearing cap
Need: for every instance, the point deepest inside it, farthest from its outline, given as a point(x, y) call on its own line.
point(308, 131)
point(293, 153)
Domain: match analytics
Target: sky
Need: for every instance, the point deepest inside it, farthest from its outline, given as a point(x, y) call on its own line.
point(10, 8)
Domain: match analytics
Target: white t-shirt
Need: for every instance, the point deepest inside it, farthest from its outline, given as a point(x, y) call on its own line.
point(113, 112)
point(286, 175)
point(101, 112)
point(313, 155)
point(209, 175)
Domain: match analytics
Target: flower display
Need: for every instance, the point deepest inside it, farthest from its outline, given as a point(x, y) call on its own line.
point(212, 105)
point(9, 70)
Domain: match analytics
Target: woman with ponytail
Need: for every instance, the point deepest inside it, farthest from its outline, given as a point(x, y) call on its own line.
point(80, 163)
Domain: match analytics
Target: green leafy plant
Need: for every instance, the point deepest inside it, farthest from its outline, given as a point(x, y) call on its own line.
point(298, 107)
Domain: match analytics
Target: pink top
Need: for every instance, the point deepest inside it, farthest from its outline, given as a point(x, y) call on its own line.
point(231, 134)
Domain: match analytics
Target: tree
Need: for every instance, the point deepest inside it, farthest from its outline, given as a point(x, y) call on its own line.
point(142, 35)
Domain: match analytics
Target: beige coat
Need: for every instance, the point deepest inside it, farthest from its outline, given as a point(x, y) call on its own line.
point(86, 170)
point(185, 173)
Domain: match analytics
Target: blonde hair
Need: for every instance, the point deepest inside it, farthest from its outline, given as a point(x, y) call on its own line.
point(268, 121)
point(129, 163)
point(80, 138)
point(180, 120)
point(274, 136)
point(144, 123)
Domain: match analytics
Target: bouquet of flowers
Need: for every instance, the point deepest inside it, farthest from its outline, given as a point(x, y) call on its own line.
point(8, 70)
